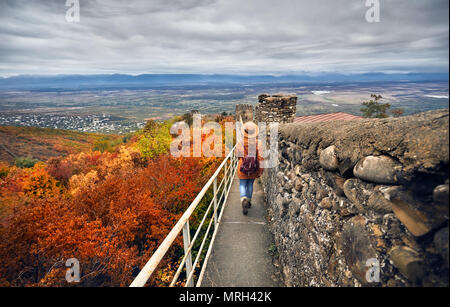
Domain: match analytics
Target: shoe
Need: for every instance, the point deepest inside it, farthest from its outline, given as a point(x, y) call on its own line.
point(245, 206)
point(249, 203)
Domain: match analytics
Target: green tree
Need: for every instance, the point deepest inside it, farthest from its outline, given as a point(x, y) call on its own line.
point(374, 109)
point(25, 162)
point(107, 144)
point(155, 140)
point(188, 118)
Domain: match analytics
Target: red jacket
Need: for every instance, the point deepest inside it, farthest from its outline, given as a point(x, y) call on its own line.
point(241, 152)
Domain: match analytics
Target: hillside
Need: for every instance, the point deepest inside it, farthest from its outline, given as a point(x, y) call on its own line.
point(110, 205)
point(44, 143)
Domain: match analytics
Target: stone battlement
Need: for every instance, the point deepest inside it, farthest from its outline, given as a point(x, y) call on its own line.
point(276, 108)
point(244, 110)
point(350, 194)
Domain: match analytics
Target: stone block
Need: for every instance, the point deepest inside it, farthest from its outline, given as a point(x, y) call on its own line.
point(328, 159)
point(326, 203)
point(378, 169)
point(356, 247)
point(440, 194)
point(379, 203)
point(408, 262)
point(417, 217)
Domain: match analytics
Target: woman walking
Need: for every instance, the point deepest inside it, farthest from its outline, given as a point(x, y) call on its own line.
point(249, 167)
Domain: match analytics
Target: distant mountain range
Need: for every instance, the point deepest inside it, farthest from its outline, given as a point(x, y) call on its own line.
point(73, 82)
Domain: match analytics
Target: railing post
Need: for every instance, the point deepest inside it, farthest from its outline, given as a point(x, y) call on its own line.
point(231, 164)
point(215, 201)
point(226, 177)
point(233, 161)
point(186, 243)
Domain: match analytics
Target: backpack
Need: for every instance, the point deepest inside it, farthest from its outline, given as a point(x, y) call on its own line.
point(249, 166)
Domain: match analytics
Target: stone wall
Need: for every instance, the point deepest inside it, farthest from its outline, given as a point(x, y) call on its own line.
point(245, 111)
point(347, 192)
point(276, 108)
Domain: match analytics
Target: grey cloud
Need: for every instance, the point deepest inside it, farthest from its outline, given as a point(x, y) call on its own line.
point(215, 36)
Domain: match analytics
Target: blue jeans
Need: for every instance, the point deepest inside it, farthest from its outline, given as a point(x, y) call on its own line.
point(246, 187)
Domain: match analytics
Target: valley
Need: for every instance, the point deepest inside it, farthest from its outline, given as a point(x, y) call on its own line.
point(126, 109)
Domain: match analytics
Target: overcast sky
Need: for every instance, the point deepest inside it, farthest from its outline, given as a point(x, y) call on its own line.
point(223, 36)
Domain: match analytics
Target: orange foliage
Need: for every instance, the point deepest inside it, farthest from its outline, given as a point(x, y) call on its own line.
point(41, 235)
point(109, 210)
point(37, 183)
point(111, 215)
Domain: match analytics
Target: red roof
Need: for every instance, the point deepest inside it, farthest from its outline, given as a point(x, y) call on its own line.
point(326, 117)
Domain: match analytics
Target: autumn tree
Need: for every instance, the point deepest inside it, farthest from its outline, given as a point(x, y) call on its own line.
point(60, 169)
point(110, 210)
point(4, 170)
point(397, 112)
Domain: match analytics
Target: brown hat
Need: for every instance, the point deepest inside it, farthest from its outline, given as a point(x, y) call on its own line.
point(249, 130)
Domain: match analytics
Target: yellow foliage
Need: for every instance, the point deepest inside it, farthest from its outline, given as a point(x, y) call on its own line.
point(38, 183)
point(77, 182)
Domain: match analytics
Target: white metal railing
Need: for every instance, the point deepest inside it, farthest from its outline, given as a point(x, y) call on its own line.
point(228, 167)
